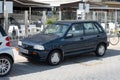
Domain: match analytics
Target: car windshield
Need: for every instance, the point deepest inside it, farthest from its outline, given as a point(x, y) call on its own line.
point(58, 29)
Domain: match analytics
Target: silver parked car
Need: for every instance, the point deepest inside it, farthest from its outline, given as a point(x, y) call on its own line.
point(6, 54)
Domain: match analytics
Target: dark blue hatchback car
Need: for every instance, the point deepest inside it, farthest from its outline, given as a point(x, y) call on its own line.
point(64, 38)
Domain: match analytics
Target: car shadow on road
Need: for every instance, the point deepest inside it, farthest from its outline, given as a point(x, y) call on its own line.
point(86, 57)
point(24, 68)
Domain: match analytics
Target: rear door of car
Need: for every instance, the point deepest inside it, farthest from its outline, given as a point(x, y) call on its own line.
point(91, 35)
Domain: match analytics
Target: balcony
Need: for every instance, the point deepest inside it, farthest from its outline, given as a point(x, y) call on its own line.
point(112, 3)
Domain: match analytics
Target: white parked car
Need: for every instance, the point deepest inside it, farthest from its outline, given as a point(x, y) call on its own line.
point(6, 54)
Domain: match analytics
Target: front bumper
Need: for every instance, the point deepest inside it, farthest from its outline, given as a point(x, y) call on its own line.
point(35, 54)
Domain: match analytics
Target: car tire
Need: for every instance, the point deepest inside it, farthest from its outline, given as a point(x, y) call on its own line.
point(5, 65)
point(54, 58)
point(100, 50)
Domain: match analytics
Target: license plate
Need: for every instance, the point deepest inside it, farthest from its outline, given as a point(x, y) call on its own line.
point(23, 50)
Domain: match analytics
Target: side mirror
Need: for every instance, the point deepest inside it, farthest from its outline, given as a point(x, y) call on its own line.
point(69, 35)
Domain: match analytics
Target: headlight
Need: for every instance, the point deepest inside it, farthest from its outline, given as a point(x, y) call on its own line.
point(19, 43)
point(39, 47)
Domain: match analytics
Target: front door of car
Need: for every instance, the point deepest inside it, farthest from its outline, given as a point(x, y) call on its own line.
point(73, 42)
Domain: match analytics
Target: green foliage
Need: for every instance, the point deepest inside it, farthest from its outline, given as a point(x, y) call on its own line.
point(51, 20)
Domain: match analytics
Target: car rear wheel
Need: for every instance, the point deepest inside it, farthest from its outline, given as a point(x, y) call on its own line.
point(54, 58)
point(101, 49)
point(5, 65)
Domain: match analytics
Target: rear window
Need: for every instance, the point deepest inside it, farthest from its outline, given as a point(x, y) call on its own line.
point(2, 32)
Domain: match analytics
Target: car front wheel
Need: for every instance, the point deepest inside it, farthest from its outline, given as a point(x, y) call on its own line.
point(54, 58)
point(5, 65)
point(100, 51)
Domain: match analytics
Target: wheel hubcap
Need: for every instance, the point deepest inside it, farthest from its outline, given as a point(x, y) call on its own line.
point(4, 66)
point(55, 58)
point(101, 50)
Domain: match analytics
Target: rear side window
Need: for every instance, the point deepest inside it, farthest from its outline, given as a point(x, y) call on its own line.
point(90, 29)
point(2, 32)
point(99, 27)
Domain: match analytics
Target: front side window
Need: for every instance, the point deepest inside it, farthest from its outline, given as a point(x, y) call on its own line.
point(57, 29)
point(90, 29)
point(76, 30)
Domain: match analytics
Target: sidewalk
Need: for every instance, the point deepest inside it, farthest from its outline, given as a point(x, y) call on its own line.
point(17, 57)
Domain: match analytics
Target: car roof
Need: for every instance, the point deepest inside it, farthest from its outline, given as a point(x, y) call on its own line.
point(69, 22)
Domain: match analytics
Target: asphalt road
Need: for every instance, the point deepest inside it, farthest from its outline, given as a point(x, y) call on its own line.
point(80, 67)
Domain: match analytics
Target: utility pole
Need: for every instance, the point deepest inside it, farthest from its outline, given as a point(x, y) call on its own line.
point(84, 9)
point(5, 14)
point(26, 23)
point(84, 12)
point(30, 15)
